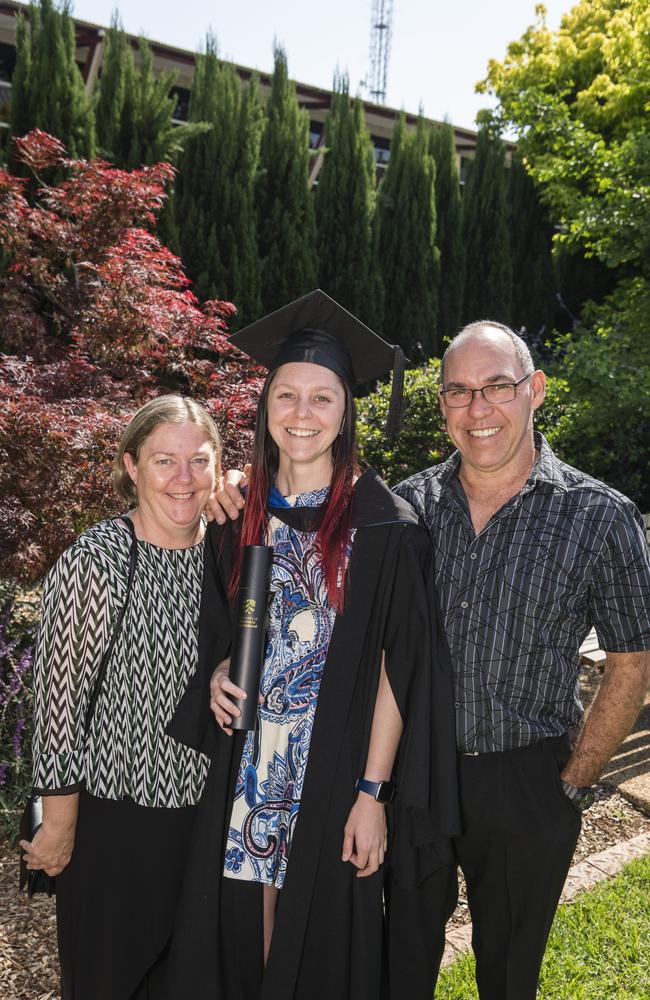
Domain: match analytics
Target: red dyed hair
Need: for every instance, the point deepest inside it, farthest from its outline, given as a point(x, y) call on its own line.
point(334, 532)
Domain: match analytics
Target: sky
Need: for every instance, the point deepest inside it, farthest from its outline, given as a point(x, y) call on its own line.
point(439, 49)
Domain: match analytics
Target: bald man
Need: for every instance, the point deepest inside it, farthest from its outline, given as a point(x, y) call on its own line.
point(529, 554)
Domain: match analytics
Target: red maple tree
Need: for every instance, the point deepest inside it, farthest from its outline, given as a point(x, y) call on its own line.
point(96, 316)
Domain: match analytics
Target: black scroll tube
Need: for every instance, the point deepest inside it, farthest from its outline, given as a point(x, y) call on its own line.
point(250, 631)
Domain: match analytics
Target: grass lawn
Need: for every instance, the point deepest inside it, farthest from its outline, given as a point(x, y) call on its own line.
point(599, 948)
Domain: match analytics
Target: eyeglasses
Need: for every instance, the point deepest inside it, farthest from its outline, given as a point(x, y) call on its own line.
point(497, 392)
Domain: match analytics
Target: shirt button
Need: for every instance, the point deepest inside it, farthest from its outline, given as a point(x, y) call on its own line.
point(456, 704)
point(464, 604)
point(473, 555)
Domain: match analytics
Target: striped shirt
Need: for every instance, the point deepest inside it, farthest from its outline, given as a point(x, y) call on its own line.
point(563, 555)
point(127, 752)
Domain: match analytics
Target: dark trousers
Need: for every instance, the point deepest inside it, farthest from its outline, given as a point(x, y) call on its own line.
point(117, 898)
point(520, 832)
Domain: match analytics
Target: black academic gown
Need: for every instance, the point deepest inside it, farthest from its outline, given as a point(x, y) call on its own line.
point(328, 940)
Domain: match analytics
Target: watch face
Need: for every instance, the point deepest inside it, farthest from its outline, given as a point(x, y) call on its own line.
point(386, 791)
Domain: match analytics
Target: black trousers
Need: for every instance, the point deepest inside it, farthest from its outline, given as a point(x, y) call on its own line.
point(117, 898)
point(520, 832)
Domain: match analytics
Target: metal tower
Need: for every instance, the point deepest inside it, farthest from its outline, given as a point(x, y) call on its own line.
point(380, 36)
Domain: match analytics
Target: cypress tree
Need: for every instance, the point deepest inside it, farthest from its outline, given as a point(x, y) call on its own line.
point(345, 200)
point(486, 234)
point(449, 235)
point(48, 90)
point(287, 232)
point(135, 107)
point(214, 196)
point(533, 285)
point(111, 92)
point(406, 216)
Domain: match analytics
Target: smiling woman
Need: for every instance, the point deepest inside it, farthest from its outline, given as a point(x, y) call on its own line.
point(291, 834)
point(118, 795)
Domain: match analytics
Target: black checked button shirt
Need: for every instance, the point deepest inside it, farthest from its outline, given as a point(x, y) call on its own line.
point(565, 554)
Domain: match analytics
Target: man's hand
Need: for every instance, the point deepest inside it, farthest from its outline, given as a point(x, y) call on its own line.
point(227, 500)
point(365, 838)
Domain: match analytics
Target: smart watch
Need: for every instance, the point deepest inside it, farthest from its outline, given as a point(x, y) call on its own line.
point(382, 791)
point(581, 798)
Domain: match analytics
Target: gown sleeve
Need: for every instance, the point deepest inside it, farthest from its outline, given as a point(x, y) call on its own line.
point(426, 812)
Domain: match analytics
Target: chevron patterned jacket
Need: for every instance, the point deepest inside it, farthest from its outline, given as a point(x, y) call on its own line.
point(127, 752)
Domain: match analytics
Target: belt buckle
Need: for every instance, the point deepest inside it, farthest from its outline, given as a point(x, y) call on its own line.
point(470, 753)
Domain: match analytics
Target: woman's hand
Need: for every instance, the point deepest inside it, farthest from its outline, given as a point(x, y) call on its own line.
point(221, 690)
point(50, 850)
point(365, 840)
point(227, 500)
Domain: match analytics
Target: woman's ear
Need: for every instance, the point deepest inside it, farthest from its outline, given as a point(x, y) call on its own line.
point(131, 467)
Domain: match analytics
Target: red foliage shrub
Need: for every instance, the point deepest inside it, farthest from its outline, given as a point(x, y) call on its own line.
point(95, 317)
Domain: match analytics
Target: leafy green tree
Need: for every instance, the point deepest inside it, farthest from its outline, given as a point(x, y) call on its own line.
point(214, 196)
point(406, 223)
point(134, 107)
point(48, 90)
point(449, 237)
point(345, 204)
point(486, 233)
point(578, 99)
point(287, 229)
point(533, 274)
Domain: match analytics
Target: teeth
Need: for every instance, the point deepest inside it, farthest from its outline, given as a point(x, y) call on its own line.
point(181, 496)
point(300, 432)
point(484, 432)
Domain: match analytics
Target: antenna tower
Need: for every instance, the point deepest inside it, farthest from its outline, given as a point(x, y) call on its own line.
point(380, 36)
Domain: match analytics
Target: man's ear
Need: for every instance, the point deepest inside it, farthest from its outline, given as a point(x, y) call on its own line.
point(538, 388)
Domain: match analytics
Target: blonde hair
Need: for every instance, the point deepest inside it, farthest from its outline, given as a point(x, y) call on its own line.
point(162, 410)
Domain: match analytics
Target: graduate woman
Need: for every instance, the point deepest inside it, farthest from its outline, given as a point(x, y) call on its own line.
point(283, 897)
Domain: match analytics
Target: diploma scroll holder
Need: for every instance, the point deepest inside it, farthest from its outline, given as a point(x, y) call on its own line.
point(247, 653)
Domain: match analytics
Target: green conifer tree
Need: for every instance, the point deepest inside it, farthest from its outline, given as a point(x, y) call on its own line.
point(134, 107)
point(449, 235)
point(406, 220)
point(345, 201)
point(48, 90)
point(534, 284)
point(214, 196)
point(486, 234)
point(285, 209)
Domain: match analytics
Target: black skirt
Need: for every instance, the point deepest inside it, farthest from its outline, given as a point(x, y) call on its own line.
point(117, 898)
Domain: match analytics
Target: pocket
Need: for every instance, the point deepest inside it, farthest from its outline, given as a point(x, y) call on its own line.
point(555, 766)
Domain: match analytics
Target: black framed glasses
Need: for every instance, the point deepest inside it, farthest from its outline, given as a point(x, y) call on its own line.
point(496, 392)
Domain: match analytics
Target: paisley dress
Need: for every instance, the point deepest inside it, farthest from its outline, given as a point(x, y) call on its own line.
point(274, 759)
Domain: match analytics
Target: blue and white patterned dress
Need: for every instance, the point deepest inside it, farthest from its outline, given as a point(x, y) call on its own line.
point(274, 760)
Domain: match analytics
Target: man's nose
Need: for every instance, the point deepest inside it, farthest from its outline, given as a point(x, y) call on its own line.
point(479, 405)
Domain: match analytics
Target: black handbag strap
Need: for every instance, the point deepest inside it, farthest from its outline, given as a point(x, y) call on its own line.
point(133, 558)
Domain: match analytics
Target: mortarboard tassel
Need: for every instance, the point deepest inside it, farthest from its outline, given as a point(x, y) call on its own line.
point(396, 394)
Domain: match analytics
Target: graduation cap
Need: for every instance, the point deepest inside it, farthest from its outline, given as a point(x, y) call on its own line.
point(318, 330)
